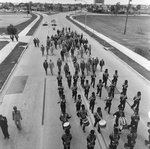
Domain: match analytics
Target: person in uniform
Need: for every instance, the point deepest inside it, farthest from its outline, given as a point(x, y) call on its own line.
point(124, 87)
point(60, 90)
point(74, 92)
point(101, 63)
point(69, 79)
point(114, 139)
point(59, 79)
point(66, 138)
point(86, 89)
point(83, 115)
point(16, 116)
point(91, 138)
point(59, 64)
point(108, 102)
point(123, 99)
point(96, 63)
point(82, 78)
point(63, 104)
point(66, 69)
point(98, 116)
point(115, 77)
point(92, 101)
point(82, 66)
point(42, 49)
point(4, 126)
point(112, 88)
point(99, 88)
point(105, 77)
point(75, 78)
point(78, 104)
point(136, 103)
point(93, 76)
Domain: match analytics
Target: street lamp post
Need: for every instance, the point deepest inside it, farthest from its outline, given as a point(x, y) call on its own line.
point(125, 28)
point(85, 21)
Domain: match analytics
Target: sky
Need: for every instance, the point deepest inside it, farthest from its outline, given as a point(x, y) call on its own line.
point(80, 1)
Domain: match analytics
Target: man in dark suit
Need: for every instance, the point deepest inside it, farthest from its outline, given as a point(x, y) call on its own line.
point(4, 126)
point(45, 65)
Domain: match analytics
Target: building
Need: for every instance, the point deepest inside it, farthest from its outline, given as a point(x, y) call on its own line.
point(99, 2)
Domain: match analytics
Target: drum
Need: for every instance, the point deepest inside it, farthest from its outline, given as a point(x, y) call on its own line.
point(102, 123)
point(86, 122)
point(66, 125)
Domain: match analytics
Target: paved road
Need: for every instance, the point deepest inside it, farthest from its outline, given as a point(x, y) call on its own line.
point(28, 96)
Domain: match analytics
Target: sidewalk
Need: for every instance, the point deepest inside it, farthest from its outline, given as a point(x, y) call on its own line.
point(4, 52)
point(134, 56)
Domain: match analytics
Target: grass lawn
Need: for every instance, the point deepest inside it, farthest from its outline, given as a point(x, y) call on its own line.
point(7, 65)
point(3, 44)
point(21, 26)
point(138, 29)
point(144, 72)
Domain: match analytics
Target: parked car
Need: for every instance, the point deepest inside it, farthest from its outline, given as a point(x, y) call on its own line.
point(45, 23)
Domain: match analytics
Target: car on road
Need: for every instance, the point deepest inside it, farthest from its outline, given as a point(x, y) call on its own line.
point(45, 23)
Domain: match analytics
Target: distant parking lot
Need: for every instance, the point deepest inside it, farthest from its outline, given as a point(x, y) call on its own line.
point(12, 18)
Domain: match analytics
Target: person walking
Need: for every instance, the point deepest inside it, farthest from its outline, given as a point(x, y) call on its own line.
point(108, 102)
point(112, 88)
point(93, 76)
point(45, 65)
point(75, 77)
point(74, 92)
point(59, 64)
point(92, 100)
point(78, 104)
point(82, 78)
point(4, 126)
point(99, 88)
point(101, 63)
point(91, 138)
point(115, 77)
point(35, 42)
point(123, 99)
point(124, 87)
point(96, 63)
point(16, 36)
point(66, 69)
point(42, 49)
point(59, 79)
point(136, 99)
point(16, 115)
point(98, 116)
point(86, 89)
point(105, 77)
point(51, 66)
point(38, 42)
point(69, 79)
point(66, 138)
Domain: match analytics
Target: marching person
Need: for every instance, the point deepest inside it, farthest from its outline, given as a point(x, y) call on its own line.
point(101, 63)
point(16, 36)
point(112, 88)
point(148, 141)
point(83, 115)
point(88, 67)
point(51, 66)
point(136, 99)
point(86, 89)
point(38, 42)
point(131, 140)
point(69, 79)
point(62, 104)
point(78, 104)
point(114, 139)
point(66, 138)
point(59, 79)
point(96, 63)
point(60, 90)
point(135, 118)
point(92, 101)
point(124, 87)
point(16, 115)
point(91, 138)
point(105, 77)
point(35, 42)
point(66, 69)
point(123, 99)
point(108, 102)
point(45, 65)
point(115, 77)
point(59, 64)
point(99, 88)
point(74, 92)
point(82, 78)
point(93, 76)
point(42, 49)
point(82, 66)
point(98, 116)
point(75, 78)
point(4, 126)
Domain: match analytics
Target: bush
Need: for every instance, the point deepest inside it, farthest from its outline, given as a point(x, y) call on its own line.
point(143, 51)
point(11, 30)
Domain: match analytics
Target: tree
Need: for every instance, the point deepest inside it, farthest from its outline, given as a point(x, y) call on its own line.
point(11, 30)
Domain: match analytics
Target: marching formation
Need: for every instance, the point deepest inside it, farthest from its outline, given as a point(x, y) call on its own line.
point(76, 48)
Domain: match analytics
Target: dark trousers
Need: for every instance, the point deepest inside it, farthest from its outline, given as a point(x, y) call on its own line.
point(129, 145)
point(59, 69)
point(122, 104)
point(92, 107)
point(82, 83)
point(135, 104)
point(112, 146)
point(74, 95)
point(112, 91)
point(105, 82)
point(45, 70)
point(93, 82)
point(5, 131)
point(59, 82)
point(86, 93)
point(96, 122)
point(66, 146)
point(75, 82)
point(69, 83)
point(108, 106)
point(99, 91)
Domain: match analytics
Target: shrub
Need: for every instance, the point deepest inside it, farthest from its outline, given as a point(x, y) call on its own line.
point(143, 51)
point(11, 30)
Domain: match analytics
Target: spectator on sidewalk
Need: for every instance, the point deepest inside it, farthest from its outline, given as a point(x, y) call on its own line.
point(35, 42)
point(101, 63)
point(51, 66)
point(16, 36)
point(38, 42)
point(42, 49)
